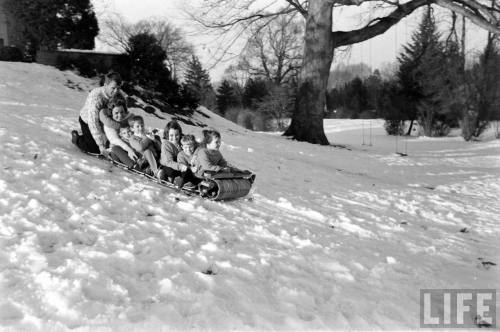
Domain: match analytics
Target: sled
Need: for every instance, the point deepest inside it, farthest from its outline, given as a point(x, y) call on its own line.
point(213, 186)
point(225, 186)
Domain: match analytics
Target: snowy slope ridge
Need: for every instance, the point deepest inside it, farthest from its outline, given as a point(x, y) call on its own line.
point(330, 239)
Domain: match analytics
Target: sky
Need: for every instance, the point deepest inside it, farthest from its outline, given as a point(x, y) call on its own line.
point(376, 53)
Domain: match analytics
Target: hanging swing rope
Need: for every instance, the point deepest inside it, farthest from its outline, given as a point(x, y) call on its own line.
point(396, 150)
point(363, 131)
point(370, 133)
point(396, 146)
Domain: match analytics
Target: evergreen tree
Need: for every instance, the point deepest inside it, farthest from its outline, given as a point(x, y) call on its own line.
point(197, 81)
point(373, 85)
point(50, 24)
point(147, 58)
point(146, 74)
point(356, 97)
point(351, 99)
point(336, 102)
point(483, 93)
point(420, 76)
point(392, 103)
point(226, 97)
point(451, 85)
point(83, 22)
point(254, 92)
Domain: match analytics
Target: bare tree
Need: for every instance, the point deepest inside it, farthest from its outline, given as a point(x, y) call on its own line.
point(276, 105)
point(171, 39)
point(320, 41)
point(274, 52)
point(237, 75)
point(117, 31)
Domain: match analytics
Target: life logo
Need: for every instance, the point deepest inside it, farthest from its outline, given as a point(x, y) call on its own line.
point(457, 308)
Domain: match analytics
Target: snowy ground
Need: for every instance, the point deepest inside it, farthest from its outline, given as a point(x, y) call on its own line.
point(330, 238)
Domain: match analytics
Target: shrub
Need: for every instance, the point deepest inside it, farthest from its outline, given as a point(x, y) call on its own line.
point(63, 63)
point(81, 64)
point(471, 126)
point(246, 118)
point(394, 127)
point(10, 53)
point(84, 67)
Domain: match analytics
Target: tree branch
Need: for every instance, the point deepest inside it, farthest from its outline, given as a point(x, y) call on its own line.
point(299, 7)
point(343, 38)
point(484, 10)
point(471, 9)
point(475, 17)
point(251, 18)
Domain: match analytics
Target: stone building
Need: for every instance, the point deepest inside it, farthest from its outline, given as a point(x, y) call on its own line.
point(11, 32)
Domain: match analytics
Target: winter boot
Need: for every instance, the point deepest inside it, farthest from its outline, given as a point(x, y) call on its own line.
point(74, 137)
point(178, 182)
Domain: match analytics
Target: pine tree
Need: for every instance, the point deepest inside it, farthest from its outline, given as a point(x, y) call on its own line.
point(146, 61)
point(420, 76)
point(373, 84)
point(254, 92)
point(197, 81)
point(226, 97)
point(356, 97)
point(483, 92)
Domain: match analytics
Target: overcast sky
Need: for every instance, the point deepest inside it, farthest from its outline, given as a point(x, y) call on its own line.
point(375, 52)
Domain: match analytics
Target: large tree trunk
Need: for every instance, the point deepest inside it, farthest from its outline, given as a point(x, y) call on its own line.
point(307, 119)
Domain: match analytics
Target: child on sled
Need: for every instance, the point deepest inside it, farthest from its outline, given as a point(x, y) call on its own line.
point(187, 179)
point(208, 158)
point(173, 171)
point(141, 143)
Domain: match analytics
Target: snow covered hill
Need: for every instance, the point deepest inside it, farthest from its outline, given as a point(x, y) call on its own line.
point(330, 238)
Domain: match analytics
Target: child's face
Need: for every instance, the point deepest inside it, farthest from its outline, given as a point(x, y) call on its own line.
point(214, 144)
point(188, 148)
point(125, 133)
point(174, 136)
point(138, 128)
point(118, 113)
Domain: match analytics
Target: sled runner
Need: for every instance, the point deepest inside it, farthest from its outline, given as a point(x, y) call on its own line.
point(214, 186)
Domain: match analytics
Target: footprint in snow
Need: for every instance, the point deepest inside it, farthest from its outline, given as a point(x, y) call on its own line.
point(210, 271)
point(48, 242)
point(486, 264)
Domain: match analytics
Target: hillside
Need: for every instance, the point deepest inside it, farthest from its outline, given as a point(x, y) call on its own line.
point(330, 238)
